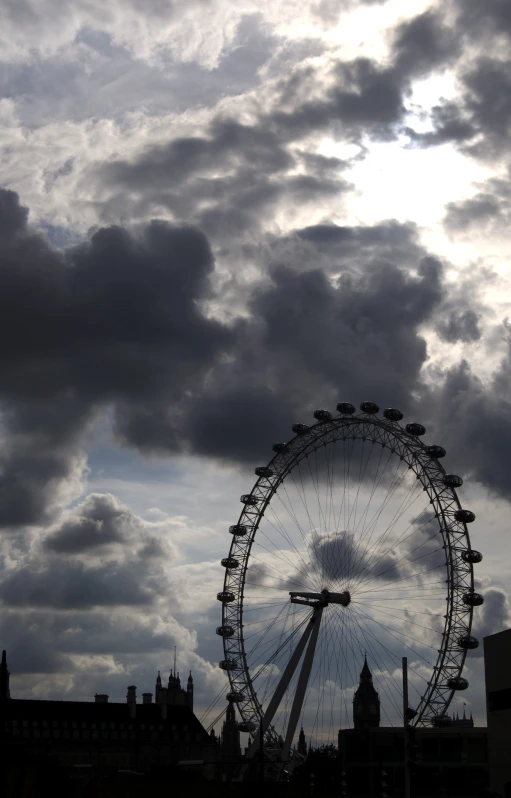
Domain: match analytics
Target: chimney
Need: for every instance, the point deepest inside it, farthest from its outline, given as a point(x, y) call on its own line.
point(132, 699)
point(101, 698)
point(147, 698)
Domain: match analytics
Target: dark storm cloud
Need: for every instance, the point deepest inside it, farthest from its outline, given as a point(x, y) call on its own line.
point(479, 122)
point(493, 617)
point(243, 169)
point(77, 632)
point(99, 521)
point(227, 181)
point(345, 557)
point(363, 98)
point(450, 124)
point(388, 240)
point(488, 208)
point(423, 44)
point(116, 322)
point(311, 337)
point(478, 18)
point(72, 585)
point(474, 420)
point(462, 326)
point(112, 320)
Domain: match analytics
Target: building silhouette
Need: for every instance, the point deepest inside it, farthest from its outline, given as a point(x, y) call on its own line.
point(450, 758)
point(107, 737)
point(497, 669)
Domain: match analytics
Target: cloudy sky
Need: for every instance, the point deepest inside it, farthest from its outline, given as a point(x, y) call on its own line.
point(215, 218)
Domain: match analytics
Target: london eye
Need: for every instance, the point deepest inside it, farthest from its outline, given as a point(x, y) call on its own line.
point(352, 543)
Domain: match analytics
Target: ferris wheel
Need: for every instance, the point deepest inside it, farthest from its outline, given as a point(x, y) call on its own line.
point(352, 543)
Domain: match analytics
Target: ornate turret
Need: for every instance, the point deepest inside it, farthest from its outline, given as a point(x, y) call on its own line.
point(4, 678)
point(189, 691)
point(366, 701)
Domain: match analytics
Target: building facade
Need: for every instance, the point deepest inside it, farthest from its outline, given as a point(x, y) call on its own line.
point(497, 668)
point(140, 737)
point(450, 760)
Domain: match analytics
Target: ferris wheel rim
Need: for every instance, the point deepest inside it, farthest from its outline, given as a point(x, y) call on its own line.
point(455, 537)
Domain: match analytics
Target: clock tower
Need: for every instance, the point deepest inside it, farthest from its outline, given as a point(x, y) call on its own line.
point(366, 701)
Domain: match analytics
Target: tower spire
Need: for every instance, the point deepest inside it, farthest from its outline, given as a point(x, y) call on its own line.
point(4, 678)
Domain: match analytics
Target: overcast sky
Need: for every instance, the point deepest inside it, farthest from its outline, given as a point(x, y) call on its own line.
point(215, 218)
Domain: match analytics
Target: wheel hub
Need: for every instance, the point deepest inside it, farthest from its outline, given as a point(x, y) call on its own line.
point(322, 599)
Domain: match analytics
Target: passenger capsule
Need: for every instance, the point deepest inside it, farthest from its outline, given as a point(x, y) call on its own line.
point(370, 408)
point(247, 498)
point(453, 481)
point(473, 599)
point(230, 562)
point(263, 471)
point(279, 447)
point(472, 556)
point(466, 516)
point(225, 597)
point(457, 683)
point(322, 415)
point(239, 530)
point(392, 414)
point(225, 631)
point(235, 696)
point(346, 408)
point(247, 726)
point(468, 642)
point(436, 451)
point(299, 429)
point(228, 664)
point(415, 429)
